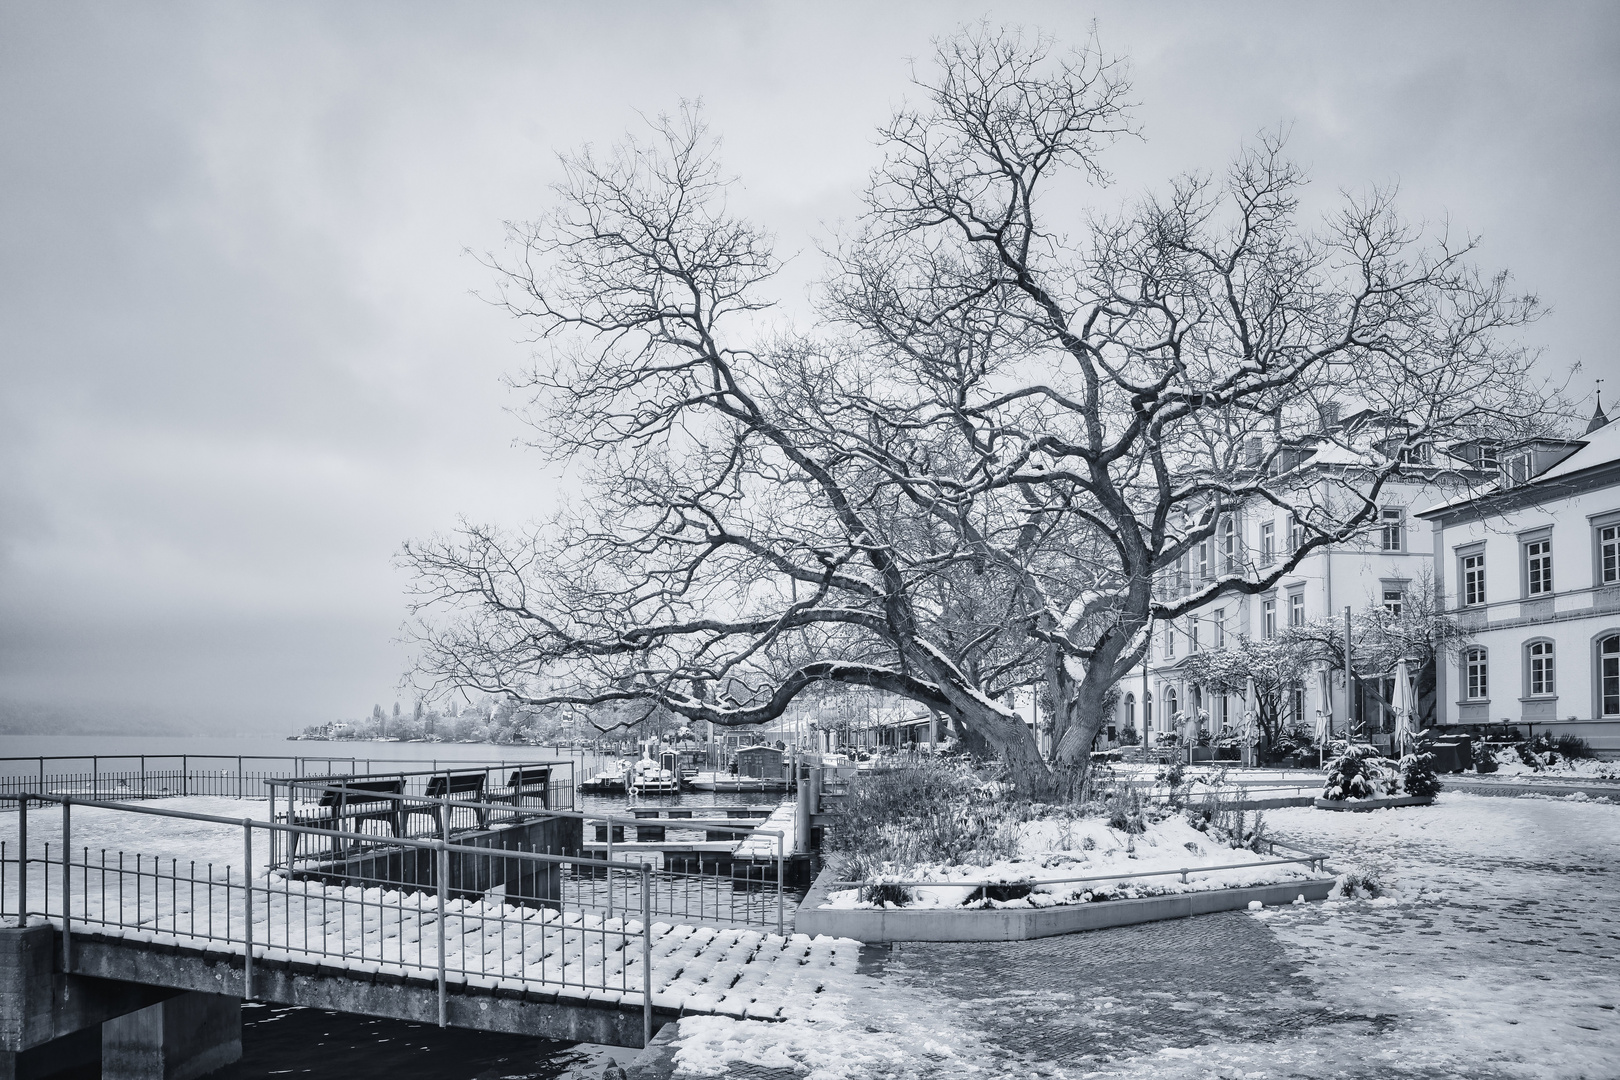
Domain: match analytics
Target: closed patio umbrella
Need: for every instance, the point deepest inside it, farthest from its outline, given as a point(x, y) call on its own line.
point(1402, 707)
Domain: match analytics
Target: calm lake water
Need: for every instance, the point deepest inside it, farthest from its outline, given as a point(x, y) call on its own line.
point(280, 1041)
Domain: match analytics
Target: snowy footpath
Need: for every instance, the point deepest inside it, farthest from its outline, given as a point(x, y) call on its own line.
point(1494, 951)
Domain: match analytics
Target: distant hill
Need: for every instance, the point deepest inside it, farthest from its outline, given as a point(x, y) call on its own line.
point(40, 718)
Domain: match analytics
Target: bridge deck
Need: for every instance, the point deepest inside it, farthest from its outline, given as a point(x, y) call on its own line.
point(730, 971)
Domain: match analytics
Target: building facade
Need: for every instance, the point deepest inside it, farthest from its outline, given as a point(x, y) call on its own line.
point(1384, 566)
point(1532, 571)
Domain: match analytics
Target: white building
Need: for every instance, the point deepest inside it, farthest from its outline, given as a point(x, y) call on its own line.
point(1382, 567)
point(1533, 571)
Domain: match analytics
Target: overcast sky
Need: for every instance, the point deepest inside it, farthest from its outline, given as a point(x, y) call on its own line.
point(241, 361)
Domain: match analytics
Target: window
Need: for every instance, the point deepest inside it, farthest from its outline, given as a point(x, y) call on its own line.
point(1609, 676)
point(1268, 543)
point(1183, 566)
point(1518, 469)
point(1392, 531)
point(1203, 562)
point(1476, 674)
point(1220, 628)
point(1171, 705)
point(1229, 557)
point(1608, 555)
point(1296, 704)
point(1296, 609)
point(1296, 533)
point(1538, 567)
point(1268, 619)
point(1394, 600)
point(1488, 456)
point(1541, 681)
point(1192, 634)
point(1147, 710)
point(1473, 575)
point(1130, 710)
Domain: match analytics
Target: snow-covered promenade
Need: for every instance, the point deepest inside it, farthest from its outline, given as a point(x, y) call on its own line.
point(1494, 953)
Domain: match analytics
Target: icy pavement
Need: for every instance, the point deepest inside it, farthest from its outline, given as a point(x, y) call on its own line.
point(1497, 954)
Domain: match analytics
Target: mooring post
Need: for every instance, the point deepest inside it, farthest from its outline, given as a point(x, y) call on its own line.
point(443, 874)
point(781, 883)
point(609, 874)
point(22, 860)
point(67, 882)
point(646, 954)
point(247, 908)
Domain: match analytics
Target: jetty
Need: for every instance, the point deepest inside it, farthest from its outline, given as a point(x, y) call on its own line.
point(465, 897)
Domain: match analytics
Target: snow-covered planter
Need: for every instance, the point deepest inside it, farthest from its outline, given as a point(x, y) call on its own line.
point(1361, 779)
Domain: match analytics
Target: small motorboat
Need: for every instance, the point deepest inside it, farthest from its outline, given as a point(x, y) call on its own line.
point(605, 783)
point(648, 777)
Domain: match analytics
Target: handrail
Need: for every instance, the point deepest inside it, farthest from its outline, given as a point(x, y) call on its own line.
point(1183, 871)
point(400, 841)
point(718, 825)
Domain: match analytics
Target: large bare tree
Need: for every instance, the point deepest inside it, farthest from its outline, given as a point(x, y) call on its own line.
point(1014, 417)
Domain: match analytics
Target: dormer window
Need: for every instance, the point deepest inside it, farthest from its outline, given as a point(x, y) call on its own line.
point(1487, 456)
point(1517, 469)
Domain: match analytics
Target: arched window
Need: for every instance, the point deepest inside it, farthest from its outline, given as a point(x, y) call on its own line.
point(1476, 674)
point(1609, 675)
point(1147, 710)
point(1540, 681)
point(1170, 705)
point(1130, 710)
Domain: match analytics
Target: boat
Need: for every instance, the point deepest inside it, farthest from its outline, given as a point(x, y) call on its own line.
point(605, 783)
point(648, 777)
point(711, 781)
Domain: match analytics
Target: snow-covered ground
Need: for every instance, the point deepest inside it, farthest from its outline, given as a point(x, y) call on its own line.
point(1494, 953)
point(1509, 763)
point(1104, 859)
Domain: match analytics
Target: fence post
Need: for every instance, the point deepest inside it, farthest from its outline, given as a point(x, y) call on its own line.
point(247, 908)
point(22, 860)
point(443, 874)
point(609, 875)
point(67, 883)
point(781, 883)
point(143, 776)
point(239, 776)
point(185, 783)
point(646, 954)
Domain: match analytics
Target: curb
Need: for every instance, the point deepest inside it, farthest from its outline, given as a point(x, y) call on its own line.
point(1383, 802)
point(1018, 924)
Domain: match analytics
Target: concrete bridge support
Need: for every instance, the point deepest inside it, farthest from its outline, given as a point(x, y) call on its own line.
point(52, 1023)
point(186, 1036)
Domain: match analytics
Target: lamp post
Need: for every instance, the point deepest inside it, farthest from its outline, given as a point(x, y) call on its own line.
point(1349, 683)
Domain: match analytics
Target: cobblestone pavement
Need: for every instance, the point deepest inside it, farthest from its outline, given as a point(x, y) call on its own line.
point(1135, 989)
point(1494, 952)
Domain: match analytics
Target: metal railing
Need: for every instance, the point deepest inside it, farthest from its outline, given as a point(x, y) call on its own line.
point(1314, 859)
point(241, 776)
point(532, 937)
point(702, 890)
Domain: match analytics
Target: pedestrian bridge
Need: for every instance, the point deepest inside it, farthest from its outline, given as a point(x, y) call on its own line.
point(502, 923)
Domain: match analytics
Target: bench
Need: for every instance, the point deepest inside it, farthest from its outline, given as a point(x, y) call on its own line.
point(356, 801)
point(528, 782)
point(463, 787)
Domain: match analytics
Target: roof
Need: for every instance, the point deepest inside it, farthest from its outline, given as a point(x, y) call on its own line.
point(1596, 449)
